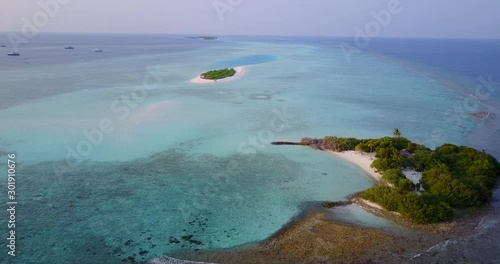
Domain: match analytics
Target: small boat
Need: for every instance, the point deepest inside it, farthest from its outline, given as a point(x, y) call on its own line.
point(3, 46)
point(97, 50)
point(13, 54)
point(69, 47)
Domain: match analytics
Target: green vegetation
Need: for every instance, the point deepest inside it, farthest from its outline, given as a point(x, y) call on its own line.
point(453, 176)
point(397, 179)
point(396, 133)
point(419, 208)
point(218, 74)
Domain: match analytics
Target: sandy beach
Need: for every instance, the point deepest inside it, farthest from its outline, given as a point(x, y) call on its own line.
point(240, 72)
point(362, 160)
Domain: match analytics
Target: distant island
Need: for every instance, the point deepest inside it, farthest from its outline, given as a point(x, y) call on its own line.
point(204, 37)
point(448, 178)
point(222, 75)
point(218, 74)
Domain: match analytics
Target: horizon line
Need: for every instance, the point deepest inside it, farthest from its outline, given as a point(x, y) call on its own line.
point(253, 35)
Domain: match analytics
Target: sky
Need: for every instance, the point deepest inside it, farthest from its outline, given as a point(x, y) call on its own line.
point(396, 18)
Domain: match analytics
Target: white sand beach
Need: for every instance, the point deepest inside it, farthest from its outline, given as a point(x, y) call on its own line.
point(363, 202)
point(240, 72)
point(362, 160)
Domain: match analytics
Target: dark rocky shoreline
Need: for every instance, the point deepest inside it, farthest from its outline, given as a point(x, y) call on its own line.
point(310, 238)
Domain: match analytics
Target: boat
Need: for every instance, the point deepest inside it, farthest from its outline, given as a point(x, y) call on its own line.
point(13, 54)
point(69, 47)
point(97, 50)
point(3, 46)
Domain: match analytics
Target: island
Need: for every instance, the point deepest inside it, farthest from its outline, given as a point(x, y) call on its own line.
point(204, 37)
point(423, 185)
point(440, 194)
point(221, 75)
point(218, 74)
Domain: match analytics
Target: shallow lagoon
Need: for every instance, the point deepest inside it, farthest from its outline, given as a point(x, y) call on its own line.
point(194, 161)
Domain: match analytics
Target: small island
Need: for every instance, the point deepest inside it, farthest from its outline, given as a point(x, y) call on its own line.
point(222, 75)
point(218, 74)
point(417, 187)
point(204, 37)
point(423, 185)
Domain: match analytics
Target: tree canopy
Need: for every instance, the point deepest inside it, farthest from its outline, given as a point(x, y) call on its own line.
point(452, 176)
point(218, 74)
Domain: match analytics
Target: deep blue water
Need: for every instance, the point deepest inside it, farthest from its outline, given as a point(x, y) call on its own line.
point(470, 58)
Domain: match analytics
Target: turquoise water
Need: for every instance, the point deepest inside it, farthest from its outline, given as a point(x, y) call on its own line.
point(177, 159)
point(243, 61)
point(355, 214)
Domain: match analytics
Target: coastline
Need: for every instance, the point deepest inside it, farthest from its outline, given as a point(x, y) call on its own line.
point(312, 238)
point(395, 217)
point(240, 72)
point(361, 160)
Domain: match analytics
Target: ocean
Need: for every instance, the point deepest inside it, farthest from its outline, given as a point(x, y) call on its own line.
point(119, 157)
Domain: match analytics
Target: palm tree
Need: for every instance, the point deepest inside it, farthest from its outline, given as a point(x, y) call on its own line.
point(396, 133)
point(370, 145)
